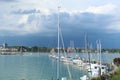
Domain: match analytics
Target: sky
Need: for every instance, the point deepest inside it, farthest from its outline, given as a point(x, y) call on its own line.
point(34, 22)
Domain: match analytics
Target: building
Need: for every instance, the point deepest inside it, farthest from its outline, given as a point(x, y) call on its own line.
point(4, 48)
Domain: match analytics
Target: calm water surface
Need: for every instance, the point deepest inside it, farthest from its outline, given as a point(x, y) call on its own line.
point(36, 66)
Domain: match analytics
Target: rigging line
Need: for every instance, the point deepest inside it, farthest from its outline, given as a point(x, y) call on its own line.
point(68, 68)
point(58, 60)
point(60, 35)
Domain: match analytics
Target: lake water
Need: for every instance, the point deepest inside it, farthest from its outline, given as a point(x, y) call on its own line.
point(38, 66)
point(33, 67)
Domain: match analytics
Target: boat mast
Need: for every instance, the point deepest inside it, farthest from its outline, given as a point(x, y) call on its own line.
point(58, 60)
point(100, 52)
point(86, 46)
point(99, 55)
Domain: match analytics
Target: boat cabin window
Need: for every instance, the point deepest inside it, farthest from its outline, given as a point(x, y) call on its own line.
point(103, 68)
point(95, 67)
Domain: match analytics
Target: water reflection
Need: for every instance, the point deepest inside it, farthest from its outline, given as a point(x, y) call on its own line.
point(39, 67)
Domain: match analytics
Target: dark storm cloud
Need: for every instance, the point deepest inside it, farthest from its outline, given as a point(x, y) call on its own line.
point(31, 11)
point(70, 23)
point(73, 27)
point(7, 0)
point(85, 22)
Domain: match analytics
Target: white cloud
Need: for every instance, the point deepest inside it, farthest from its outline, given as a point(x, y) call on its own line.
point(45, 11)
point(32, 28)
point(46, 20)
point(23, 19)
point(71, 12)
point(25, 30)
point(101, 9)
point(19, 26)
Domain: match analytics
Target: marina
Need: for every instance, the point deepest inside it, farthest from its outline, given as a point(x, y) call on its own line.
point(59, 40)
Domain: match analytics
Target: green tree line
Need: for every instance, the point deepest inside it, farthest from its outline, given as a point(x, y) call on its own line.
point(48, 49)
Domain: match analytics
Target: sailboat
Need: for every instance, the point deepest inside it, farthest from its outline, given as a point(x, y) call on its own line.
point(97, 69)
point(71, 49)
point(94, 69)
point(21, 50)
point(58, 51)
point(52, 53)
